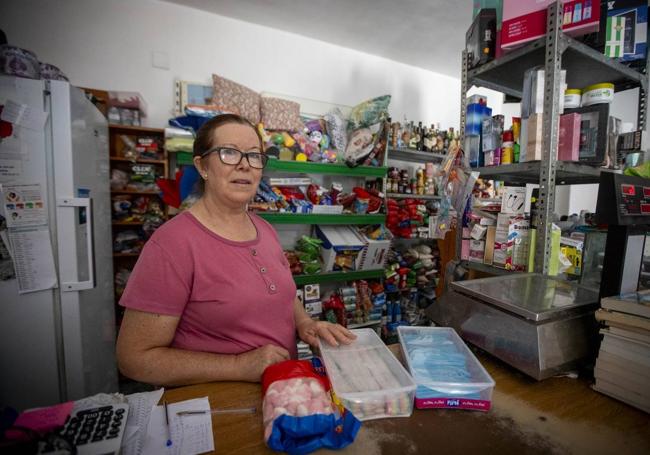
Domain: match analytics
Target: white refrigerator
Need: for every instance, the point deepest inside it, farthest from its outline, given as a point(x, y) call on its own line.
point(58, 344)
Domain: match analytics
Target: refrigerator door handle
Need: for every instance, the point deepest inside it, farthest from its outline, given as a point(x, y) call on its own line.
point(69, 286)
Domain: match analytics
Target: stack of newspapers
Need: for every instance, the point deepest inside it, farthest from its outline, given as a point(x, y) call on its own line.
point(623, 365)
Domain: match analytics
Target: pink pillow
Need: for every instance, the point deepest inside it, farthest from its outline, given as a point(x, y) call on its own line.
point(279, 114)
point(237, 98)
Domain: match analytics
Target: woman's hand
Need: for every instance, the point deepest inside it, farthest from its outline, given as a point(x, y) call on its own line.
point(309, 331)
point(251, 364)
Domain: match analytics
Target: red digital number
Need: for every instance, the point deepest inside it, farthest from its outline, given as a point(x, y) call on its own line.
point(628, 190)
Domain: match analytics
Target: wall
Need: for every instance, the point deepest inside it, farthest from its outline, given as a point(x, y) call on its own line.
point(109, 43)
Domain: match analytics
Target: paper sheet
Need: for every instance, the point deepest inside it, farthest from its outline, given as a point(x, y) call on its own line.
point(23, 115)
point(24, 205)
point(33, 258)
point(140, 407)
point(190, 434)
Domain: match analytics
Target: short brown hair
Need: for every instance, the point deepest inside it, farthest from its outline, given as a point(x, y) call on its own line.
point(205, 135)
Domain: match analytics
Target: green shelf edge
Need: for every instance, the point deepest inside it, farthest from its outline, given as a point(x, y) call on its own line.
point(337, 276)
point(326, 168)
point(310, 218)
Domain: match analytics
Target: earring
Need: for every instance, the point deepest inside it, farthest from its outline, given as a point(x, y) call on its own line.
point(205, 176)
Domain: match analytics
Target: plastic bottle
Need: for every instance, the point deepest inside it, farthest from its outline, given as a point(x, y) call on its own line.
point(507, 152)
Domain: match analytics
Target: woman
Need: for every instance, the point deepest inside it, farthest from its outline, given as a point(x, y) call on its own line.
point(211, 297)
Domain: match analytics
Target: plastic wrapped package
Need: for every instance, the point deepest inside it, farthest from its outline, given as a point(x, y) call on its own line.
point(299, 415)
point(447, 374)
point(368, 379)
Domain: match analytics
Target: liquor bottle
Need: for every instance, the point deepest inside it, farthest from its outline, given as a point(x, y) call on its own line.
point(415, 138)
point(420, 145)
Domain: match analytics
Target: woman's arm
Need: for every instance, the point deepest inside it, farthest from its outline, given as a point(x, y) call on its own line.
point(143, 354)
point(309, 330)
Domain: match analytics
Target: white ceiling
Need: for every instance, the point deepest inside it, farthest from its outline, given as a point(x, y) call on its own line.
point(429, 34)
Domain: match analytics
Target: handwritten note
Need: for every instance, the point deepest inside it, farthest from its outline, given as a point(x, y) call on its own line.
point(190, 435)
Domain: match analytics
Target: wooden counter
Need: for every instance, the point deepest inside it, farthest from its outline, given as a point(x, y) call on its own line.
point(558, 415)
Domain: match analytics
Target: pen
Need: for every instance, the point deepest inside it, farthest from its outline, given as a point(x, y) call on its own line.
point(169, 434)
point(250, 410)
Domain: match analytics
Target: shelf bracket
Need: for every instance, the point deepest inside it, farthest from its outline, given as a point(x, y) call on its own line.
point(463, 120)
point(548, 165)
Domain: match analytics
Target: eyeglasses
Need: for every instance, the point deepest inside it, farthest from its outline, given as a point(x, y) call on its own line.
point(233, 157)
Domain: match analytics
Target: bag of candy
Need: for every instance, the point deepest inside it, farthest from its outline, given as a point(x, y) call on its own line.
point(298, 412)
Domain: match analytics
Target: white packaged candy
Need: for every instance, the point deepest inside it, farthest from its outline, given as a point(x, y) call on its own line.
point(367, 377)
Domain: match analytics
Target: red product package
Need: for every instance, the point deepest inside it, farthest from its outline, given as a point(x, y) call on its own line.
point(298, 412)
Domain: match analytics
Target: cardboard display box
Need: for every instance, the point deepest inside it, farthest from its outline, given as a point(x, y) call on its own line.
point(569, 141)
point(338, 241)
point(375, 252)
point(511, 242)
point(525, 20)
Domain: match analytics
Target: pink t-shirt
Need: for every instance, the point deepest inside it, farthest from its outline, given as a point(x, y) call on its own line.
point(231, 297)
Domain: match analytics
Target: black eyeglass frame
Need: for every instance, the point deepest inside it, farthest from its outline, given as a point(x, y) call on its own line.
point(264, 158)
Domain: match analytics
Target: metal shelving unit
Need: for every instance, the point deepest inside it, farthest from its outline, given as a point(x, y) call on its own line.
point(405, 154)
point(585, 66)
point(412, 196)
point(485, 268)
point(567, 173)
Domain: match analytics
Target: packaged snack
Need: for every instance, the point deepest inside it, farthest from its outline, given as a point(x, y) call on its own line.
point(299, 416)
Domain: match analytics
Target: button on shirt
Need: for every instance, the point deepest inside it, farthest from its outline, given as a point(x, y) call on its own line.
point(231, 297)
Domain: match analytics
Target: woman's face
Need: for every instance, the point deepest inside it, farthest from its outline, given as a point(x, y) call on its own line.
point(233, 185)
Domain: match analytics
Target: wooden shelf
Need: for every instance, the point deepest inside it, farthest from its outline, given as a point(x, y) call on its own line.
point(137, 160)
point(136, 129)
point(126, 255)
point(149, 193)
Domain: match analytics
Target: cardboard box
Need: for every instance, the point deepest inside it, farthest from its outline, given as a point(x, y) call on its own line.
point(514, 200)
point(375, 253)
point(525, 20)
point(312, 292)
point(594, 121)
point(532, 101)
point(490, 235)
point(338, 240)
point(627, 20)
point(480, 39)
point(572, 250)
point(476, 250)
point(478, 231)
point(534, 138)
point(569, 141)
point(464, 250)
point(554, 263)
point(511, 242)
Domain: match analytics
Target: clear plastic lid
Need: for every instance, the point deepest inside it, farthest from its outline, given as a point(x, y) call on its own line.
point(437, 357)
point(364, 368)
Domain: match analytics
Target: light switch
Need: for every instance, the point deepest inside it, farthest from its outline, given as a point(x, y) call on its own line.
point(160, 60)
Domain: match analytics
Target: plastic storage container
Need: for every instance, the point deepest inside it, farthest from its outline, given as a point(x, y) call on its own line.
point(447, 374)
point(367, 377)
point(572, 98)
point(597, 94)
